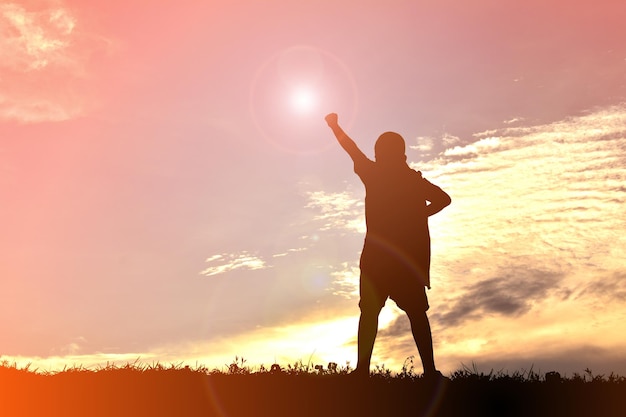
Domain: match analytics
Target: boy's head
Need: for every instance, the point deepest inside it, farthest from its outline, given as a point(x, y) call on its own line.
point(390, 148)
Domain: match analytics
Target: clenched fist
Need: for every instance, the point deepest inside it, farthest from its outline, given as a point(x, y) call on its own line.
point(331, 119)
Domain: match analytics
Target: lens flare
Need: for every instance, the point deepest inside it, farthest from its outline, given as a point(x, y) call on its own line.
point(303, 100)
point(291, 93)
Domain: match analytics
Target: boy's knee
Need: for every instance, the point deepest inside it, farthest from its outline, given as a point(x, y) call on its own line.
point(370, 309)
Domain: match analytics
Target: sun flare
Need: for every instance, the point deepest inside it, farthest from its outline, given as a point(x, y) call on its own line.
point(303, 100)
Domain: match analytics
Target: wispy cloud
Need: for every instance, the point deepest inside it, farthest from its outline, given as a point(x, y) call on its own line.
point(428, 147)
point(346, 280)
point(514, 120)
point(222, 263)
point(481, 146)
point(43, 59)
point(606, 291)
point(289, 251)
point(34, 40)
point(424, 145)
point(338, 211)
point(449, 140)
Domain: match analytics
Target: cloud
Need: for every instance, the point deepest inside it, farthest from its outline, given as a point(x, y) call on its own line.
point(75, 347)
point(514, 120)
point(34, 40)
point(338, 211)
point(229, 262)
point(29, 109)
point(44, 55)
point(424, 144)
point(605, 291)
point(511, 294)
point(449, 140)
point(244, 260)
point(483, 145)
point(289, 251)
point(551, 193)
point(501, 297)
point(346, 280)
point(427, 147)
point(395, 337)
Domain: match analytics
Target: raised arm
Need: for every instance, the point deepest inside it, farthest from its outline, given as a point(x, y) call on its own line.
point(344, 140)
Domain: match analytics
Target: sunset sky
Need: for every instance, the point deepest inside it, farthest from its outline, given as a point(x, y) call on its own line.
point(170, 192)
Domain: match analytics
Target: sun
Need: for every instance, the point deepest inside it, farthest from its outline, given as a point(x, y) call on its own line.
point(303, 99)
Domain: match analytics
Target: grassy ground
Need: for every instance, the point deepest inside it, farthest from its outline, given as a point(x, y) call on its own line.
point(299, 390)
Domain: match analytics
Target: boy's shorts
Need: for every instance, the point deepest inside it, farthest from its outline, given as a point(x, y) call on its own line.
point(384, 276)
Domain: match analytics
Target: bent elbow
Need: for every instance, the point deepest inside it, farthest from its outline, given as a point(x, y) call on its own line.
point(443, 200)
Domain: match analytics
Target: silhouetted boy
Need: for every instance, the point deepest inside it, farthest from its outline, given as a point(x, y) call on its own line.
point(395, 261)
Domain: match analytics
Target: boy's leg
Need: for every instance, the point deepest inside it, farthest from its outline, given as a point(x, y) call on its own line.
point(372, 299)
point(368, 327)
point(420, 326)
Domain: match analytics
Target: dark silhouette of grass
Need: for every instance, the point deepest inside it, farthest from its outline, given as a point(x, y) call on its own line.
point(302, 390)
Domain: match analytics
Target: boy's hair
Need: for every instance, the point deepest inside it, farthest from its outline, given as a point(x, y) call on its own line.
point(389, 147)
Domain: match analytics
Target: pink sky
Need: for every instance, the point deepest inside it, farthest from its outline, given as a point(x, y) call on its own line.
point(165, 193)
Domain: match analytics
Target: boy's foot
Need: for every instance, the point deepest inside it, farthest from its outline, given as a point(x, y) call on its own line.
point(360, 373)
point(436, 377)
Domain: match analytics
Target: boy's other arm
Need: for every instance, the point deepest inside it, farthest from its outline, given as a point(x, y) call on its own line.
point(344, 140)
point(438, 199)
